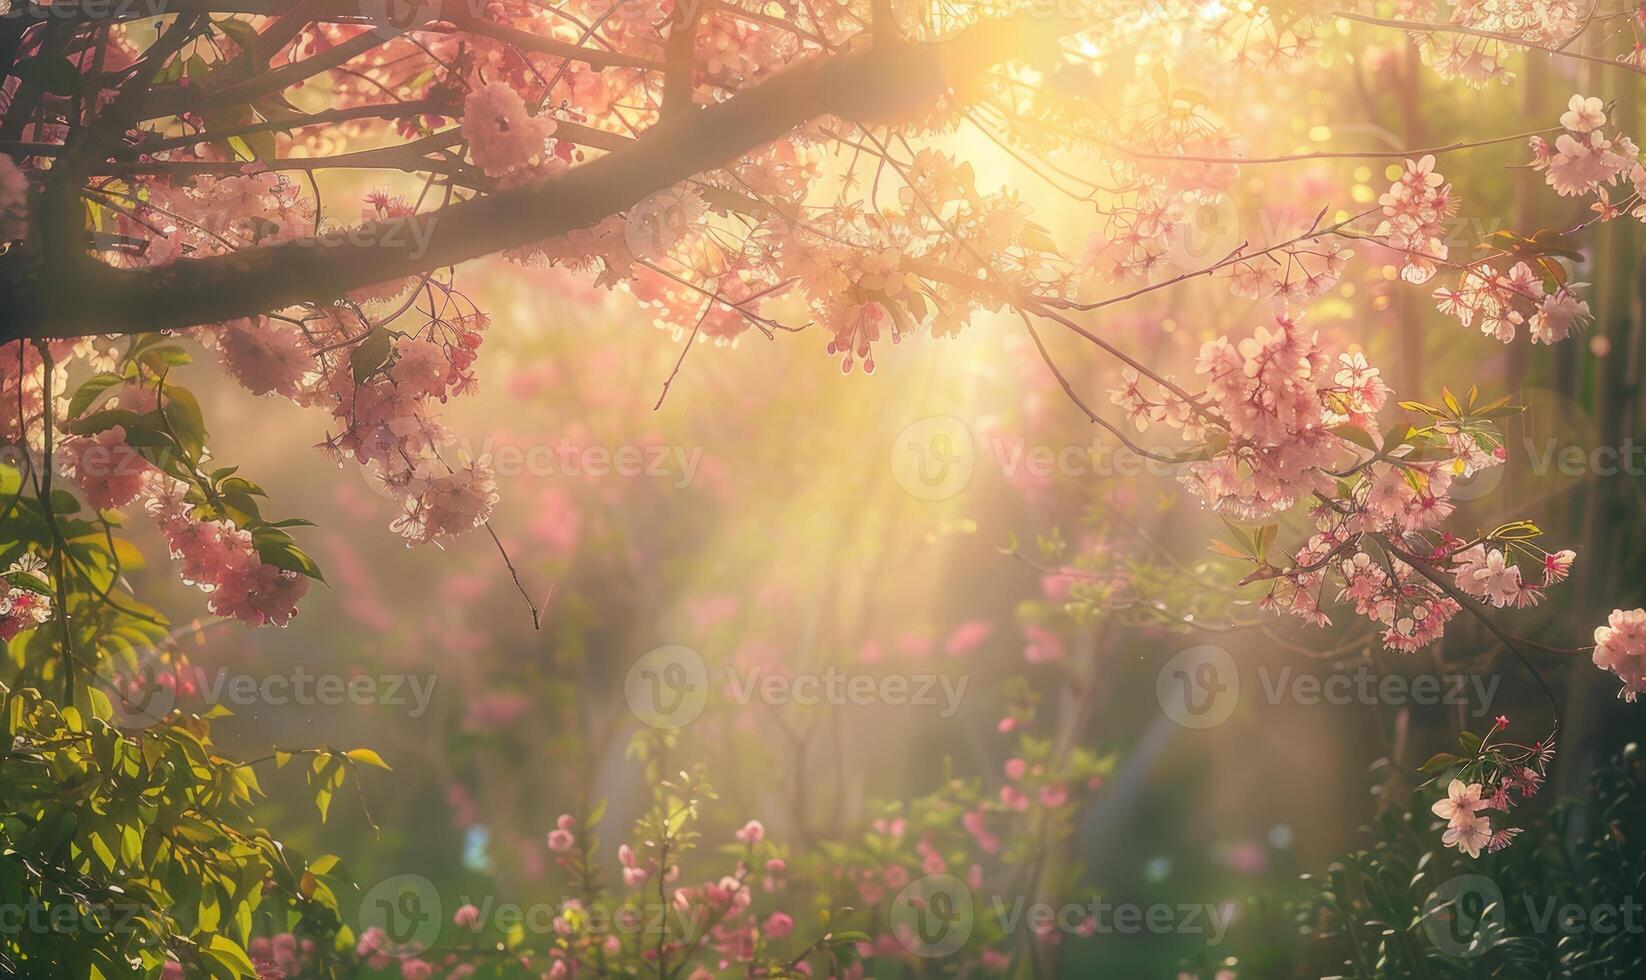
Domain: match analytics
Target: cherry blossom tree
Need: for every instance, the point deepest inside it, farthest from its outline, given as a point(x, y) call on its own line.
point(169, 184)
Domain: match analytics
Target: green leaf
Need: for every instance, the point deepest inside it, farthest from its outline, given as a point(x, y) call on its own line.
point(1439, 761)
point(182, 411)
point(223, 957)
point(1265, 537)
point(275, 547)
point(369, 757)
point(91, 390)
point(162, 357)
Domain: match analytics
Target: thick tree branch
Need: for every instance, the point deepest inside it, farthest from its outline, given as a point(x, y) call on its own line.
point(680, 60)
point(877, 82)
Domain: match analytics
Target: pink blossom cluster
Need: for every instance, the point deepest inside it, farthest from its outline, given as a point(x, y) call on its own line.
point(1416, 209)
point(22, 391)
point(1157, 217)
point(1493, 576)
point(1620, 647)
point(108, 472)
point(387, 425)
point(23, 609)
point(1413, 611)
point(1583, 160)
point(221, 560)
point(378, 952)
point(1478, 59)
point(265, 356)
point(504, 138)
point(1277, 395)
point(563, 837)
point(1499, 776)
point(1139, 237)
point(212, 215)
point(1503, 301)
point(1467, 829)
point(282, 955)
point(1261, 37)
point(1306, 272)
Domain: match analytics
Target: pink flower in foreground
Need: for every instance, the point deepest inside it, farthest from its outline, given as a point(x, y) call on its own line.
point(107, 470)
point(1460, 803)
point(1469, 836)
point(752, 832)
point(1620, 647)
point(778, 925)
